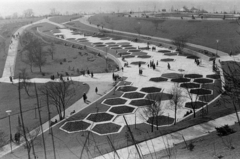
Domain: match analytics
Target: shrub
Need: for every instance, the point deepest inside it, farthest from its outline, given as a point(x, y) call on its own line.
point(224, 130)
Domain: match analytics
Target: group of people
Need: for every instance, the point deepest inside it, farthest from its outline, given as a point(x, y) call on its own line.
point(197, 61)
point(152, 64)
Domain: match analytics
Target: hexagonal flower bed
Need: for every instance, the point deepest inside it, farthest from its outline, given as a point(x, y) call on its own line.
point(139, 53)
point(106, 38)
point(114, 101)
point(130, 48)
point(137, 62)
point(201, 91)
point(99, 45)
point(128, 56)
point(193, 76)
point(192, 57)
point(170, 54)
point(123, 53)
point(160, 120)
point(213, 76)
point(203, 80)
point(172, 75)
point(144, 56)
point(100, 117)
point(123, 43)
point(106, 128)
point(158, 79)
point(127, 88)
point(190, 85)
point(122, 109)
point(116, 39)
point(116, 48)
point(151, 89)
point(73, 126)
point(126, 45)
point(159, 96)
point(164, 51)
point(179, 80)
point(133, 95)
point(113, 45)
point(134, 50)
point(109, 43)
point(195, 105)
point(141, 102)
point(167, 60)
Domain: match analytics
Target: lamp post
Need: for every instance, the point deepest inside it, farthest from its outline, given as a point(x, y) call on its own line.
point(9, 113)
point(217, 48)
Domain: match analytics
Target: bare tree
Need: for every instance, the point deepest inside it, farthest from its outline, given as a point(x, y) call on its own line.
point(52, 50)
point(176, 99)
point(23, 75)
point(180, 42)
point(153, 108)
point(60, 94)
point(28, 13)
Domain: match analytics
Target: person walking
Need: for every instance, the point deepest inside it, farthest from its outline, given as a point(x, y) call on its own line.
point(169, 67)
point(96, 90)
point(11, 79)
point(84, 97)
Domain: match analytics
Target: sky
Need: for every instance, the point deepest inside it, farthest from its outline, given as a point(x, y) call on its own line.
point(41, 7)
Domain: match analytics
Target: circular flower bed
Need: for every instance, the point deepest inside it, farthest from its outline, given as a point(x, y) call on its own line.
point(106, 128)
point(164, 51)
point(122, 109)
point(75, 126)
point(179, 80)
point(99, 117)
point(160, 120)
point(167, 60)
point(151, 89)
point(158, 79)
point(127, 88)
point(141, 102)
point(133, 95)
point(137, 62)
point(115, 101)
point(172, 75)
point(195, 105)
point(203, 80)
point(193, 76)
point(201, 91)
point(190, 85)
point(144, 56)
point(139, 53)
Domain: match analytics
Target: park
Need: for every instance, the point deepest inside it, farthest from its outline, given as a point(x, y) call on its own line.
point(114, 85)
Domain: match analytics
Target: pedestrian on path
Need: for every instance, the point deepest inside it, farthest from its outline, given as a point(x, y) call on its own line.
point(84, 97)
point(92, 74)
point(11, 79)
point(96, 90)
point(169, 67)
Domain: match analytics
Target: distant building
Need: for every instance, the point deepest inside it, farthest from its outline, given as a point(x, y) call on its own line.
point(184, 9)
point(164, 10)
point(194, 10)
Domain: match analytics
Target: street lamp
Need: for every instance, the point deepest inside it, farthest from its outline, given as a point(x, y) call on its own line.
point(217, 48)
point(9, 113)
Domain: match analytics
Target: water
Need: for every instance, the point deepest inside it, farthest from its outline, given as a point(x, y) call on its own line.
point(41, 7)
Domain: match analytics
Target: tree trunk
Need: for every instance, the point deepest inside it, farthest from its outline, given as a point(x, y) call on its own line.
point(236, 111)
point(152, 123)
point(40, 68)
point(175, 115)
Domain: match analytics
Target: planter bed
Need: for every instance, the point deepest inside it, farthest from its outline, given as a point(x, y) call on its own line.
point(106, 128)
point(100, 117)
point(122, 109)
point(115, 101)
point(160, 120)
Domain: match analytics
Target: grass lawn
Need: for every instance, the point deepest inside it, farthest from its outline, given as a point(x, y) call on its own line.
point(65, 18)
point(67, 59)
point(203, 32)
point(29, 105)
point(8, 27)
